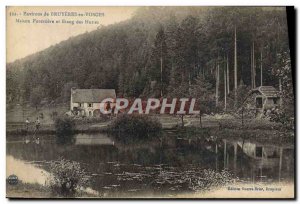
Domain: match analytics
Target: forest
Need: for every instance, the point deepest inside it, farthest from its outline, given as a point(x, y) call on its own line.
point(212, 53)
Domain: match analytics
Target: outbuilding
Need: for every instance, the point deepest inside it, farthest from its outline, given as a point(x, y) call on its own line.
point(266, 97)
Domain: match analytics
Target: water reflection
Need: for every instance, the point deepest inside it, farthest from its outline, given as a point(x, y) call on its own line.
point(135, 168)
point(257, 162)
point(99, 139)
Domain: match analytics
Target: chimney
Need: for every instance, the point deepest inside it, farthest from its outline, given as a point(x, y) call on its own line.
point(73, 90)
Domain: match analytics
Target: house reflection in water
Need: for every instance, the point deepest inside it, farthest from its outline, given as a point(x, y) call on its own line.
point(98, 139)
point(259, 162)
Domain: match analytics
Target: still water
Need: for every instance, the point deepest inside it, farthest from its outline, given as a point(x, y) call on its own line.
point(152, 167)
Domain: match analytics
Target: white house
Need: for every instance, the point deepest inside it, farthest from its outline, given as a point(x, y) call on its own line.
point(87, 102)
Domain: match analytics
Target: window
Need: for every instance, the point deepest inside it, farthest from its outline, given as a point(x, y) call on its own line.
point(259, 152)
point(80, 105)
point(258, 102)
point(90, 105)
point(275, 101)
point(75, 110)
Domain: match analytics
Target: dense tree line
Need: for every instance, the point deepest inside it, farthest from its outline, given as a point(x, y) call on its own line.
point(162, 51)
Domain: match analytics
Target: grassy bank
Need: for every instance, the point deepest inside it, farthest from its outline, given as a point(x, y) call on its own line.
point(250, 124)
point(264, 136)
point(53, 132)
point(26, 190)
point(50, 129)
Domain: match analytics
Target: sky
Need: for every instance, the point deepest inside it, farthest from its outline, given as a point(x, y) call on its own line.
point(23, 39)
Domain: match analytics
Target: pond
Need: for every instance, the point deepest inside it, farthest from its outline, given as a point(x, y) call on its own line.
point(153, 168)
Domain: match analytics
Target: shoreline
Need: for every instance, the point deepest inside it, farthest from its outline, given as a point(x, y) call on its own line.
point(188, 133)
point(282, 190)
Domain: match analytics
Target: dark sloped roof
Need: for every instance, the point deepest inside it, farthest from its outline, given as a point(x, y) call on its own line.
point(92, 95)
point(267, 91)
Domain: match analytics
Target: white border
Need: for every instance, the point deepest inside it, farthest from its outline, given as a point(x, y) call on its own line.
point(5, 3)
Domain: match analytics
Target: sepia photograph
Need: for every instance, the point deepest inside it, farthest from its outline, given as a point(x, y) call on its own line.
point(150, 102)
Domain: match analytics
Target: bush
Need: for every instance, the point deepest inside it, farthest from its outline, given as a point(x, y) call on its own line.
point(65, 129)
point(67, 177)
point(135, 127)
point(279, 116)
point(211, 179)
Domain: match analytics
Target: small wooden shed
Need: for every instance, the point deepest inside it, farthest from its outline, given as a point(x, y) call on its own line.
point(266, 97)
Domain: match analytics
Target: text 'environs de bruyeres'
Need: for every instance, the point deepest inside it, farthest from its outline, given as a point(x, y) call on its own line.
point(64, 13)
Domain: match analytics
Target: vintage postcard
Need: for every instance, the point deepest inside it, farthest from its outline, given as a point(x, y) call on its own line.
point(150, 102)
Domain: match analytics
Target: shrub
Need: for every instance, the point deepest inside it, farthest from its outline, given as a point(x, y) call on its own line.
point(211, 179)
point(135, 127)
point(65, 128)
point(67, 177)
point(279, 116)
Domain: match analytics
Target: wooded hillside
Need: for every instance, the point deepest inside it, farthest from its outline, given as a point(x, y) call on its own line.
point(163, 51)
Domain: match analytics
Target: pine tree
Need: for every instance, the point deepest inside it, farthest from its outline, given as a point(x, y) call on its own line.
point(159, 62)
